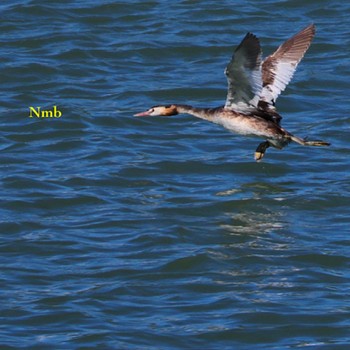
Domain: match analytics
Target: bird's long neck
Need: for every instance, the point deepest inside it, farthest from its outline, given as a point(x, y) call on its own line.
point(203, 113)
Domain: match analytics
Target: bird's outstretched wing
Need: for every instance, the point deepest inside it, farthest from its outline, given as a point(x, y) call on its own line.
point(244, 75)
point(278, 68)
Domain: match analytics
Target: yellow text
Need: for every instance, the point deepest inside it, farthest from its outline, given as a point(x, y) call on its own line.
point(42, 113)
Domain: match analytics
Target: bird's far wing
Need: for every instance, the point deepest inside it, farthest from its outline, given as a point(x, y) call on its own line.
point(278, 68)
point(244, 75)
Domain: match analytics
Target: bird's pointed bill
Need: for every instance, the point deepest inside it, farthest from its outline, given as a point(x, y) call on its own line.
point(143, 114)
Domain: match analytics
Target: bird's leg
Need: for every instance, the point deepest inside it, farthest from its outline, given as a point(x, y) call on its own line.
point(261, 149)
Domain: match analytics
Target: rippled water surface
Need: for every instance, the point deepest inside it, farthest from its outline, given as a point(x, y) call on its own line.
point(163, 233)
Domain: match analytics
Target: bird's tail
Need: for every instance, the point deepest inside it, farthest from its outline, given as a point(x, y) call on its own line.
point(309, 142)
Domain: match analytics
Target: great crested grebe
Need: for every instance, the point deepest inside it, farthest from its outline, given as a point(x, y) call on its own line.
point(253, 87)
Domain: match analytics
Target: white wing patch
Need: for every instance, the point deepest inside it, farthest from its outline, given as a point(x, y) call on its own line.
point(282, 74)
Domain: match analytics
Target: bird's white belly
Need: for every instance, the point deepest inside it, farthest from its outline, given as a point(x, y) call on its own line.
point(243, 126)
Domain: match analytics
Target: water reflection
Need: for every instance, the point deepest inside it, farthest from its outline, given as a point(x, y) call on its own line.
point(258, 208)
point(254, 223)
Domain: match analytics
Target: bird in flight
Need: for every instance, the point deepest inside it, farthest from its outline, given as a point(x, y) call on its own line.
point(253, 87)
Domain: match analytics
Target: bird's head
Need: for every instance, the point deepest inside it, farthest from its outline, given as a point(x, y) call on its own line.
point(159, 111)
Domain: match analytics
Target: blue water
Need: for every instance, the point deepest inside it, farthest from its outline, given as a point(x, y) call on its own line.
point(163, 233)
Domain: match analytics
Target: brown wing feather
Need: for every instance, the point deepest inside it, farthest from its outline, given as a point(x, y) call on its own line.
point(278, 68)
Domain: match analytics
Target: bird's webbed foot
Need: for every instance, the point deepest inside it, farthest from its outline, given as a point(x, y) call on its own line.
point(260, 151)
